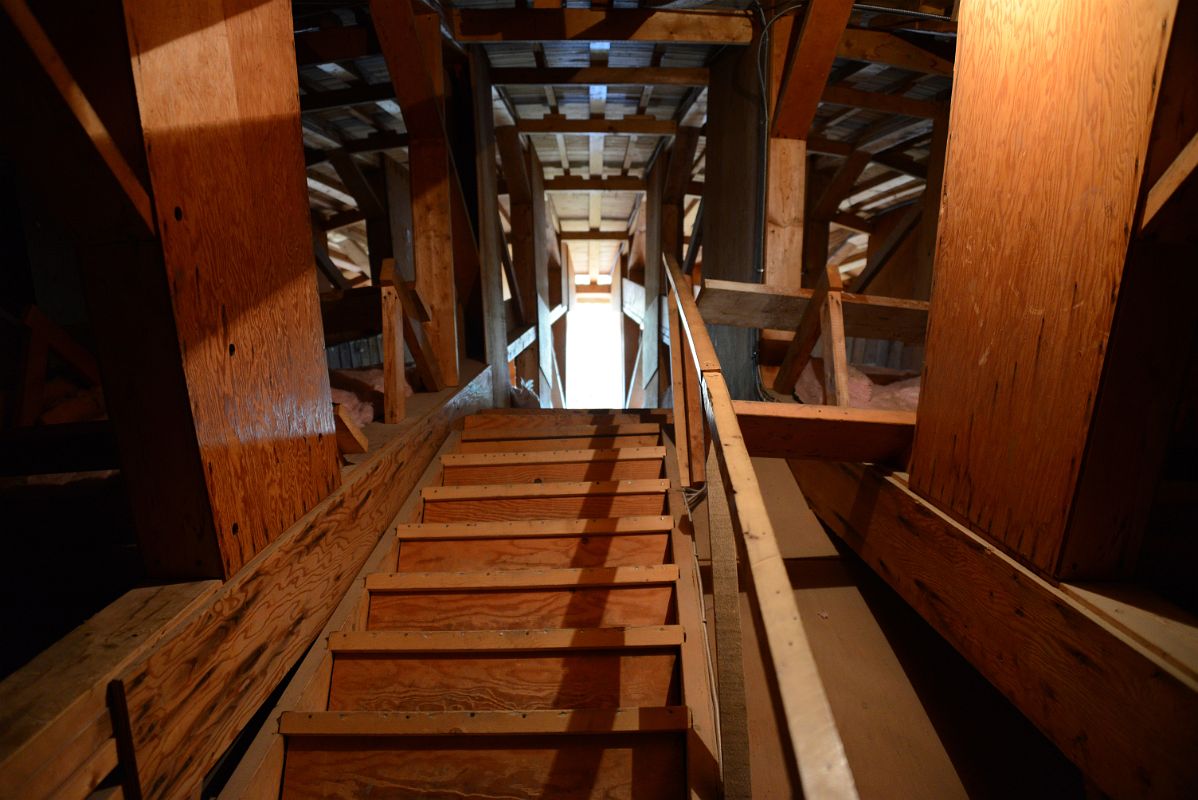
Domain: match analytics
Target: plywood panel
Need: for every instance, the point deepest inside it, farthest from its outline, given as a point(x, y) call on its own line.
point(1033, 235)
point(503, 682)
point(603, 607)
point(589, 506)
point(527, 553)
point(218, 97)
point(635, 766)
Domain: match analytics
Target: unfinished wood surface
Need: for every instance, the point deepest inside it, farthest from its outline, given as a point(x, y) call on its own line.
point(1019, 332)
point(521, 579)
point(1100, 695)
point(520, 552)
point(813, 48)
point(582, 469)
point(259, 774)
point(270, 611)
point(433, 494)
point(572, 443)
point(886, 48)
point(601, 25)
point(831, 433)
point(1173, 177)
point(601, 76)
point(819, 752)
point(784, 208)
point(54, 710)
point(759, 306)
point(350, 438)
point(550, 527)
point(236, 265)
point(683, 419)
point(633, 765)
point(457, 723)
point(702, 353)
point(572, 679)
point(476, 434)
point(836, 360)
point(499, 639)
point(591, 505)
point(807, 332)
point(510, 418)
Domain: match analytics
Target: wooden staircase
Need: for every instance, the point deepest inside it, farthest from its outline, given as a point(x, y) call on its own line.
point(537, 632)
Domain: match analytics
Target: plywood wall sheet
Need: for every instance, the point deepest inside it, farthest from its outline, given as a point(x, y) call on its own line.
point(218, 98)
point(1051, 109)
point(636, 766)
point(481, 682)
point(601, 607)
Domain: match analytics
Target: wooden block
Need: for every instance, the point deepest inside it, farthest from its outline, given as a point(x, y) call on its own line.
point(633, 765)
point(350, 438)
point(584, 607)
point(576, 678)
point(835, 433)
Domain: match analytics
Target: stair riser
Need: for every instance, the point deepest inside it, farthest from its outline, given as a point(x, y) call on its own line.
point(604, 607)
point(570, 506)
point(548, 473)
point(566, 551)
point(503, 682)
point(569, 443)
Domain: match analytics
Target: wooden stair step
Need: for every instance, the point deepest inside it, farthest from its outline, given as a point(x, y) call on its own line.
point(531, 418)
point(568, 499)
point(561, 432)
point(506, 723)
point(520, 579)
point(629, 549)
point(393, 641)
point(552, 465)
point(512, 529)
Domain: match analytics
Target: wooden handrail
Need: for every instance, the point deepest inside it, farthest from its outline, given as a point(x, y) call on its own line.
point(819, 752)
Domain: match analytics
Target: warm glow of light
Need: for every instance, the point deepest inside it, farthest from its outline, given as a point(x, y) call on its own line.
point(594, 357)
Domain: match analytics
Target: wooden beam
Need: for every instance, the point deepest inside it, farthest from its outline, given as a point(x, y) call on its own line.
point(577, 183)
point(997, 612)
point(341, 98)
point(374, 143)
point(883, 103)
point(840, 186)
point(886, 48)
point(411, 46)
point(490, 238)
point(1170, 181)
point(602, 76)
point(640, 125)
point(541, 227)
point(749, 305)
point(880, 255)
point(597, 25)
point(807, 332)
point(270, 613)
point(594, 236)
point(830, 433)
point(651, 315)
point(813, 48)
point(394, 382)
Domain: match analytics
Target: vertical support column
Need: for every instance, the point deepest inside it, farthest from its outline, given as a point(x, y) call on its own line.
point(237, 265)
point(489, 236)
point(515, 171)
point(651, 320)
point(540, 256)
point(786, 182)
point(394, 400)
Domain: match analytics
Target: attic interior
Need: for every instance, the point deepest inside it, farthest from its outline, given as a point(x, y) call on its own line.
point(599, 399)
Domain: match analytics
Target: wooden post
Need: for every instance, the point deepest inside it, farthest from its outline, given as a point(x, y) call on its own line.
point(237, 265)
point(489, 236)
point(651, 319)
point(540, 253)
point(394, 400)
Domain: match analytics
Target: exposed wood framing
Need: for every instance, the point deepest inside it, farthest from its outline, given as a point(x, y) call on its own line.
point(599, 25)
point(813, 48)
point(602, 76)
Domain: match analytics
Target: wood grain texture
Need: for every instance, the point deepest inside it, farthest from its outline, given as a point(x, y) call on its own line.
point(546, 527)
point(558, 432)
point(591, 506)
point(1019, 330)
point(485, 580)
point(1119, 711)
point(531, 553)
point(546, 418)
point(791, 430)
point(239, 267)
point(608, 607)
point(572, 443)
point(577, 679)
point(601, 470)
point(54, 711)
point(758, 306)
point(813, 48)
point(585, 24)
point(635, 766)
point(260, 622)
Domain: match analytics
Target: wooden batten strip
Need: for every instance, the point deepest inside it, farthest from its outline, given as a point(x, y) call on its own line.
point(457, 723)
point(559, 432)
point(441, 494)
point(521, 579)
point(540, 528)
point(513, 640)
point(553, 457)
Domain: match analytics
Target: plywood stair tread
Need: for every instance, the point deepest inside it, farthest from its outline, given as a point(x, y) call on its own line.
point(561, 431)
point(553, 456)
point(611, 526)
point(556, 489)
point(520, 579)
point(458, 723)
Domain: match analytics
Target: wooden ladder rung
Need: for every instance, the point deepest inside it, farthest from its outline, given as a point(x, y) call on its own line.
point(566, 578)
point(456, 723)
point(512, 640)
point(540, 528)
point(507, 491)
